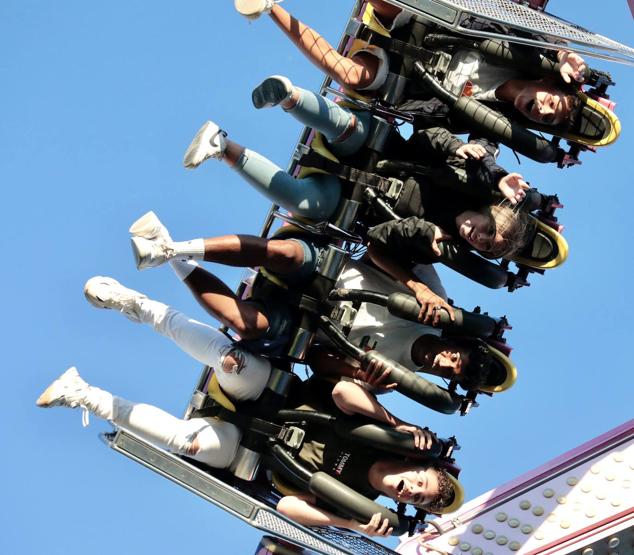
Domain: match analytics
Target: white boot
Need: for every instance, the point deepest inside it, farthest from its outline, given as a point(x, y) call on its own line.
point(252, 9)
point(209, 142)
point(107, 292)
point(70, 390)
point(149, 227)
point(149, 254)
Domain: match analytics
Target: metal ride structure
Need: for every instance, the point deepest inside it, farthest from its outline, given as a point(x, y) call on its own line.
point(580, 503)
point(245, 490)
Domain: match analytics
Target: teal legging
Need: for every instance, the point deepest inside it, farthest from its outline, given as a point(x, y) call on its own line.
point(332, 121)
point(315, 197)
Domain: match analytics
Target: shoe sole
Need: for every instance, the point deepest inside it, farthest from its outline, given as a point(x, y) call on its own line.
point(201, 148)
point(145, 226)
point(269, 93)
point(190, 160)
point(91, 297)
point(137, 252)
point(44, 400)
point(47, 398)
point(249, 8)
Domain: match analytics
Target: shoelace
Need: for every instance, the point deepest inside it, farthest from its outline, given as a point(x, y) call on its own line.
point(85, 416)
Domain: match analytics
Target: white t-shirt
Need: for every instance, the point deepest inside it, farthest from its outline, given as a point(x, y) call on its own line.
point(471, 66)
point(393, 336)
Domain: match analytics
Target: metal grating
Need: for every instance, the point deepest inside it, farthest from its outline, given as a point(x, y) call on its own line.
point(270, 521)
point(458, 14)
point(355, 543)
point(239, 504)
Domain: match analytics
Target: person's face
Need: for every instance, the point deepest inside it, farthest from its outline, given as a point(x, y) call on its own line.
point(542, 103)
point(417, 486)
point(478, 230)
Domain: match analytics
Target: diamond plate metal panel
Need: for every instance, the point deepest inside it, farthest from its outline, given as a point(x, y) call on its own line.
point(458, 14)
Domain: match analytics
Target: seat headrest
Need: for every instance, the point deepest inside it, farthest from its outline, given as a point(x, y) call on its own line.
point(218, 395)
point(548, 248)
point(503, 373)
point(458, 498)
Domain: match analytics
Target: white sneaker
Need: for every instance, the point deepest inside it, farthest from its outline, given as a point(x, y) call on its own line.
point(150, 227)
point(272, 91)
point(69, 390)
point(209, 142)
point(151, 253)
point(107, 292)
point(252, 9)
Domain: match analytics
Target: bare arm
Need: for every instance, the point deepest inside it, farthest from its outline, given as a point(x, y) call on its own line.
point(325, 361)
point(356, 72)
point(302, 509)
point(351, 399)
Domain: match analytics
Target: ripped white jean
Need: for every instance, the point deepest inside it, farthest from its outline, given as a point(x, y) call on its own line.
point(244, 380)
point(244, 377)
point(216, 441)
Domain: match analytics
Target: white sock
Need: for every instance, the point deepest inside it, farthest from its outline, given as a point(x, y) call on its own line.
point(194, 249)
point(183, 267)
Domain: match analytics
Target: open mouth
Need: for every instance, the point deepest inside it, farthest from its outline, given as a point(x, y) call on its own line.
point(400, 487)
point(470, 234)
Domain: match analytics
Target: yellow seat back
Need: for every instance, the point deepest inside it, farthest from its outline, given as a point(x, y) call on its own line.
point(599, 126)
point(549, 249)
point(458, 499)
point(509, 368)
point(217, 394)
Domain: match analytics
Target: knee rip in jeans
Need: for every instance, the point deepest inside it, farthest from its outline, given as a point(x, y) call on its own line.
point(348, 131)
point(193, 447)
point(233, 361)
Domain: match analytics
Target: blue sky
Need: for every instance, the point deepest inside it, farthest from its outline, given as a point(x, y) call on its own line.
point(99, 101)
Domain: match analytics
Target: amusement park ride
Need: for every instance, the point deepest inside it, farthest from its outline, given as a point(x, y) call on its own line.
point(514, 516)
